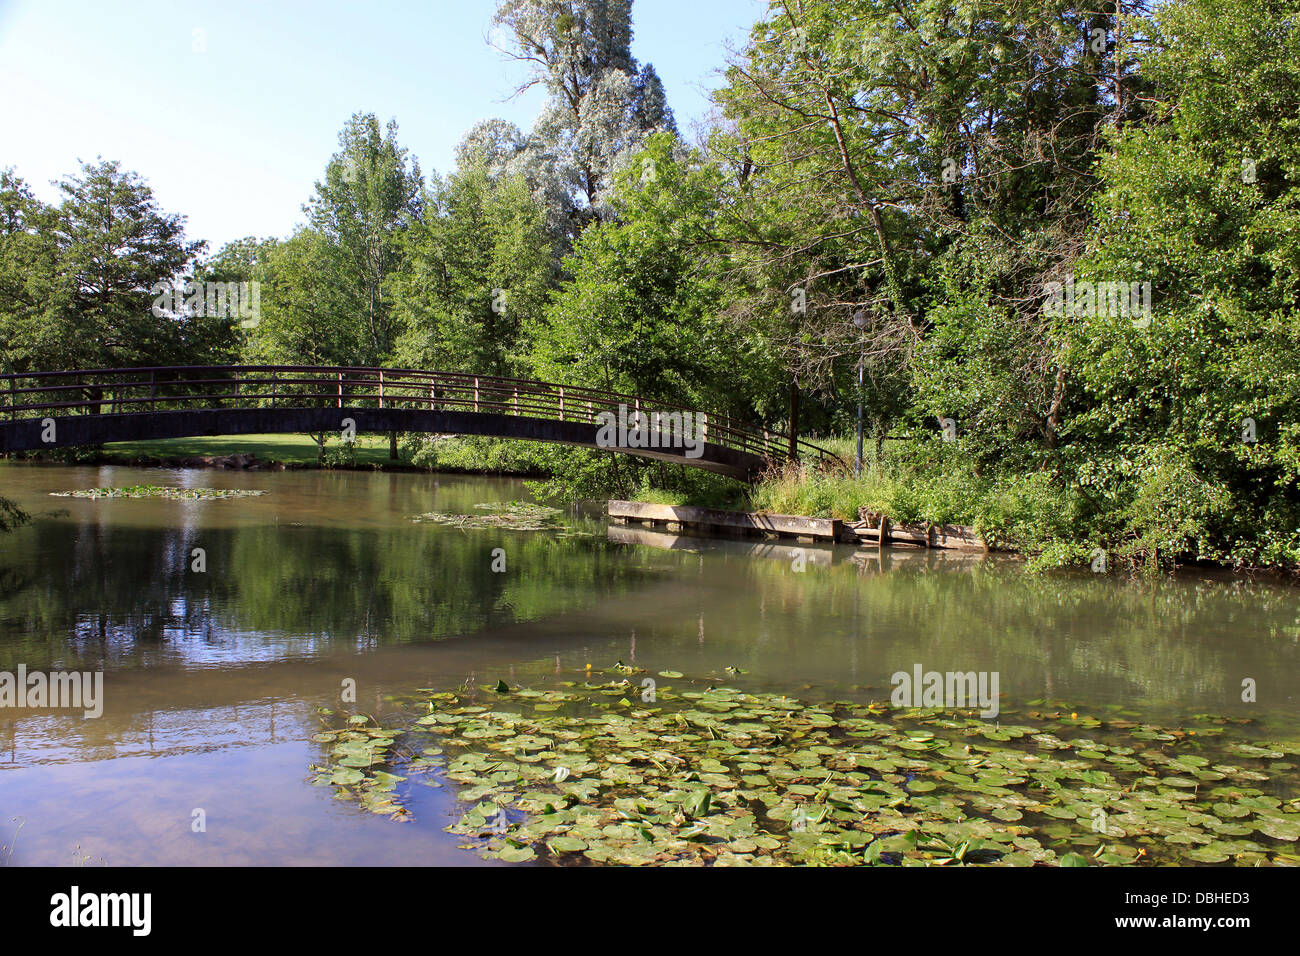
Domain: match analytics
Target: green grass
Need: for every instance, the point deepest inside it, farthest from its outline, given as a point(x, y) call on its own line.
point(290, 449)
point(725, 497)
point(914, 485)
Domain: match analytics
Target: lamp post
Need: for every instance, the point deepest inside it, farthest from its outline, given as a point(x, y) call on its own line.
point(860, 320)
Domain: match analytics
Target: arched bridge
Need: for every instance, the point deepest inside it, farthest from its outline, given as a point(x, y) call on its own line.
point(93, 407)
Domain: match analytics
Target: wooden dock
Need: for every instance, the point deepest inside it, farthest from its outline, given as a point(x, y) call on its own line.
point(947, 537)
point(743, 523)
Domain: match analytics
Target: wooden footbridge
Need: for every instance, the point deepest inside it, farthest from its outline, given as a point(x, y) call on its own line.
point(97, 406)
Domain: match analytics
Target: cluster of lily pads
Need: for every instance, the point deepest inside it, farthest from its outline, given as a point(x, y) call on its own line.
point(160, 491)
point(357, 752)
point(509, 515)
point(712, 775)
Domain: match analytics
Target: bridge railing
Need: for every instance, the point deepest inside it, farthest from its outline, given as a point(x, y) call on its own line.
point(179, 388)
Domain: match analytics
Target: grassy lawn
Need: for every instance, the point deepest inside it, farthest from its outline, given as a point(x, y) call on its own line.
point(290, 449)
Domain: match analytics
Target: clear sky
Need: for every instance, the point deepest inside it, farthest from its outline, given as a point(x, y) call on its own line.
point(231, 108)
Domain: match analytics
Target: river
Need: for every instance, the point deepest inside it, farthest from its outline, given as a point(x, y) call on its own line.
point(214, 680)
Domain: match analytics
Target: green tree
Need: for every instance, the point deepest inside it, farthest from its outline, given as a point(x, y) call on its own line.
point(94, 259)
point(640, 316)
point(637, 315)
point(28, 269)
point(601, 104)
point(480, 265)
point(369, 198)
point(1191, 415)
point(926, 164)
point(304, 306)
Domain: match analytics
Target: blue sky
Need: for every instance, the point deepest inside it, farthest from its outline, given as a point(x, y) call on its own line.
point(231, 109)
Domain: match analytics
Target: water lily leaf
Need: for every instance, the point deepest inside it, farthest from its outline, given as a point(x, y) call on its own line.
point(566, 844)
point(517, 854)
point(1279, 828)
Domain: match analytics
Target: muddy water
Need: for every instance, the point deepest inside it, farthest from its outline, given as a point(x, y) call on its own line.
point(213, 681)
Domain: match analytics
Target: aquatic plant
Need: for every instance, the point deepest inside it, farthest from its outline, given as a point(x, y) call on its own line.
point(159, 491)
point(508, 515)
point(712, 775)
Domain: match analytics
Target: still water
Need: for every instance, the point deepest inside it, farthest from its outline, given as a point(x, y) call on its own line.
point(213, 681)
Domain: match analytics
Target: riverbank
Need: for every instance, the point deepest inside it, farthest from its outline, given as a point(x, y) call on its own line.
point(909, 502)
point(1052, 520)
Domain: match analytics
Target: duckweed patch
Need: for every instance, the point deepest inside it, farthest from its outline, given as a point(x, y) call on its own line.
point(710, 775)
point(160, 491)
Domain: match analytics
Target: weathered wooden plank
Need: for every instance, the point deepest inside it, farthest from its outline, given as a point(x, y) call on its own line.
point(784, 525)
point(957, 537)
point(948, 536)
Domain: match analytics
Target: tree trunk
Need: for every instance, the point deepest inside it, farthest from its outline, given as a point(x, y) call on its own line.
point(794, 418)
point(392, 446)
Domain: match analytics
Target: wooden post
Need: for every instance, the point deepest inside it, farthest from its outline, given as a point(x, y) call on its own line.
point(561, 403)
point(381, 389)
point(884, 532)
point(340, 389)
point(476, 393)
point(516, 399)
